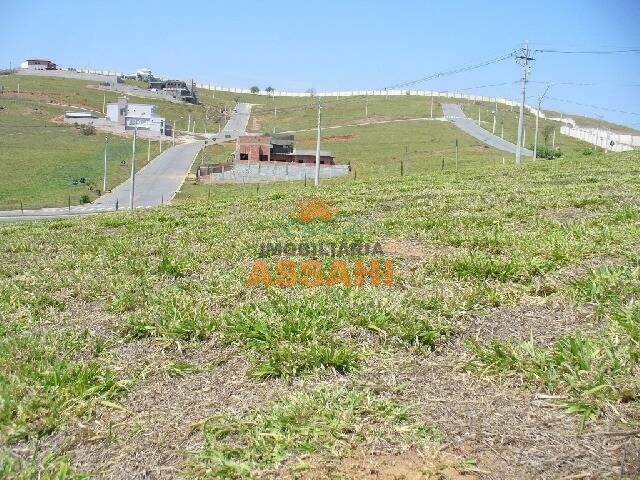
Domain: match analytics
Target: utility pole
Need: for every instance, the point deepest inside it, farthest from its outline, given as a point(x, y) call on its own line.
point(189, 123)
point(502, 128)
point(173, 135)
point(104, 102)
point(133, 167)
point(535, 140)
point(494, 122)
point(149, 149)
point(104, 178)
point(554, 138)
point(431, 106)
point(317, 179)
point(478, 115)
point(522, 59)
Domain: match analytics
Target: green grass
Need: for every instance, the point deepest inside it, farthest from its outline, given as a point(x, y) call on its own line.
point(41, 159)
point(52, 467)
point(295, 335)
point(42, 385)
point(320, 421)
point(588, 370)
point(463, 242)
point(293, 113)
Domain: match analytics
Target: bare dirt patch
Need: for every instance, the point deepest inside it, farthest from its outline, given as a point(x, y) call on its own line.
point(511, 433)
point(328, 138)
point(406, 249)
point(151, 432)
point(545, 323)
point(566, 214)
point(376, 465)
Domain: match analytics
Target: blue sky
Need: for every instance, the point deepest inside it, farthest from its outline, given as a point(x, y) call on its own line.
point(345, 45)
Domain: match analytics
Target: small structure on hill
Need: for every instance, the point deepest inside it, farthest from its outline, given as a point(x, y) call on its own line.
point(131, 115)
point(177, 89)
point(38, 64)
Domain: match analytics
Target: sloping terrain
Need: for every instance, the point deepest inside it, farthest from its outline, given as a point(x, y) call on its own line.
point(506, 346)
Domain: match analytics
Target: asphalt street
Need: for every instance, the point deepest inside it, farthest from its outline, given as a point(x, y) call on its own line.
point(454, 114)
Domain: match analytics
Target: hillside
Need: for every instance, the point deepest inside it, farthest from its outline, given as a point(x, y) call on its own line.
point(167, 355)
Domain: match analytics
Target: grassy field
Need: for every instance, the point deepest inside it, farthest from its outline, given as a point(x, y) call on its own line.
point(133, 345)
point(514, 301)
point(42, 160)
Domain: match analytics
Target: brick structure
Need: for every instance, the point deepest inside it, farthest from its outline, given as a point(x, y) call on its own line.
point(254, 148)
point(264, 148)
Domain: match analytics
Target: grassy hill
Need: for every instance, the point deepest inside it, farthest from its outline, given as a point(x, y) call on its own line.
point(512, 287)
point(513, 301)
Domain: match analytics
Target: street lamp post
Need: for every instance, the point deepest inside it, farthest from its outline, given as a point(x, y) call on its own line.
point(104, 178)
point(133, 165)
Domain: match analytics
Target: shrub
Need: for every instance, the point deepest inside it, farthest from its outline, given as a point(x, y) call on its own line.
point(87, 129)
point(548, 153)
point(84, 198)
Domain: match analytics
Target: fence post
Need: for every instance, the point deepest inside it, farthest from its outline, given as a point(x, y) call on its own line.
point(456, 153)
point(69, 202)
point(116, 204)
point(21, 207)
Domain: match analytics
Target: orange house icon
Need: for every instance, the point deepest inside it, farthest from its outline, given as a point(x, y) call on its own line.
point(313, 209)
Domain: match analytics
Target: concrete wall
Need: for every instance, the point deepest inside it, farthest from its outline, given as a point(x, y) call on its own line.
point(93, 77)
point(256, 173)
point(600, 138)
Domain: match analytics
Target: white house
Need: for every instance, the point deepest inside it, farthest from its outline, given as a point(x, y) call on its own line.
point(131, 115)
point(38, 64)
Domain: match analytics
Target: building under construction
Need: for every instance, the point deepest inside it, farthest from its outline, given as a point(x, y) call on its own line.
point(276, 148)
point(177, 89)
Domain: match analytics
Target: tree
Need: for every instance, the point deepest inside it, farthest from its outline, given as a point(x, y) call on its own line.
point(547, 131)
point(268, 89)
point(255, 89)
point(311, 91)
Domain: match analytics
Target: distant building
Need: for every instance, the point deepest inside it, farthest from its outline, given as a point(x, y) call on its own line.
point(38, 64)
point(177, 89)
point(144, 74)
point(131, 114)
point(265, 148)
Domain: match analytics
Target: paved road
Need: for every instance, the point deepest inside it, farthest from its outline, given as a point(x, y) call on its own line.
point(156, 183)
point(454, 113)
point(236, 125)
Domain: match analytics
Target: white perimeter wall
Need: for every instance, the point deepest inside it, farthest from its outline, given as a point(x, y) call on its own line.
point(597, 137)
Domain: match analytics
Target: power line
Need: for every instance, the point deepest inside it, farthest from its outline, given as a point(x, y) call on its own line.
point(594, 106)
point(453, 71)
point(589, 52)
